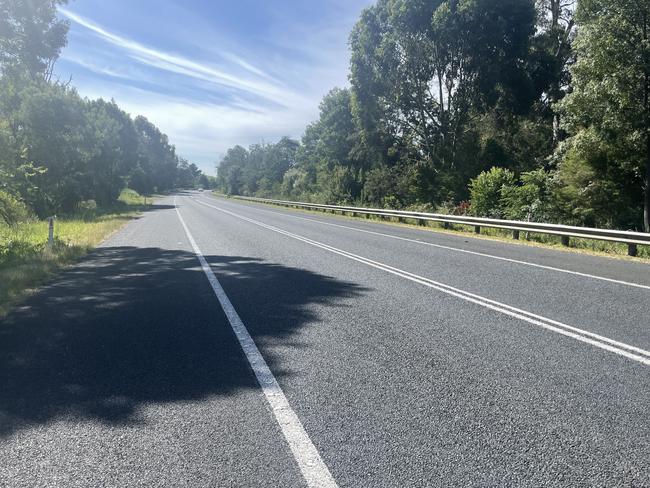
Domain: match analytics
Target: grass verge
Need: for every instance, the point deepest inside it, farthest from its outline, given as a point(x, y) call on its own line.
point(27, 262)
point(577, 245)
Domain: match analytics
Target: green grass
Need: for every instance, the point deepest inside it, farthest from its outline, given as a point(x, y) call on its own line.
point(26, 262)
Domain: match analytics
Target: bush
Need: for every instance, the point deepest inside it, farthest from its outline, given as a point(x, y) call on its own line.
point(87, 205)
point(486, 192)
point(592, 190)
point(531, 200)
point(130, 197)
point(12, 210)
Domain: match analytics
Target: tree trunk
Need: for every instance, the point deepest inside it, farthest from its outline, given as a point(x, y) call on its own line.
point(554, 91)
point(646, 115)
point(646, 199)
point(556, 125)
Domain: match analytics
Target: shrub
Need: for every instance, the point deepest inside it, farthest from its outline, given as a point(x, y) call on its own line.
point(486, 192)
point(531, 200)
point(87, 205)
point(130, 197)
point(12, 210)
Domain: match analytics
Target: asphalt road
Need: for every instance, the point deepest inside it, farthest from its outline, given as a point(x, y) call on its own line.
point(219, 343)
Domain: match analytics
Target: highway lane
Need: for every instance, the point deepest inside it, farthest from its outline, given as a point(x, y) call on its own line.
point(412, 370)
point(617, 311)
point(124, 372)
point(612, 269)
point(395, 383)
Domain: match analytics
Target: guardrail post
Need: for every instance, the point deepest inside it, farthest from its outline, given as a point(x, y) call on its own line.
point(632, 250)
point(565, 232)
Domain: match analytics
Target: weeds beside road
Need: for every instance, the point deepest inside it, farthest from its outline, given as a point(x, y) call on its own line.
point(26, 261)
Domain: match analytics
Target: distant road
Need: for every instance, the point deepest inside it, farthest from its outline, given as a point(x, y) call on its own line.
point(219, 343)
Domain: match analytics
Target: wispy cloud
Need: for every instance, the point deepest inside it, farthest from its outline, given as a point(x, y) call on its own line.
point(246, 65)
point(203, 131)
point(181, 65)
point(211, 74)
point(96, 68)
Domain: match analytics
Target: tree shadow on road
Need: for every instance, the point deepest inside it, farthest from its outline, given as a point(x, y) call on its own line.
point(131, 326)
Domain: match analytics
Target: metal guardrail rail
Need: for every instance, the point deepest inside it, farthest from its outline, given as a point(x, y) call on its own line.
point(632, 239)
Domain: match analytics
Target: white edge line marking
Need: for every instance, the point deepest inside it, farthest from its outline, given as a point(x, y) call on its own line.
point(475, 253)
point(309, 461)
point(597, 340)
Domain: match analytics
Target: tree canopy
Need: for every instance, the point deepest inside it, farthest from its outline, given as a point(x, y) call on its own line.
point(58, 149)
point(554, 94)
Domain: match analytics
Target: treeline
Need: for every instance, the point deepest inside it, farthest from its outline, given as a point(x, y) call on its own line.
point(503, 108)
point(58, 149)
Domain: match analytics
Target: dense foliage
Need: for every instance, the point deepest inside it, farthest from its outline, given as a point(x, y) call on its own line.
point(58, 149)
point(605, 164)
point(467, 99)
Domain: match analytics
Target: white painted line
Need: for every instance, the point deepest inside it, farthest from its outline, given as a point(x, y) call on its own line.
point(455, 249)
point(309, 461)
point(631, 352)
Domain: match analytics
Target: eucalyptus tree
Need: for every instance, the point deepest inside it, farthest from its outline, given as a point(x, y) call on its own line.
point(423, 71)
point(31, 36)
point(553, 54)
point(230, 168)
point(157, 161)
point(607, 159)
point(328, 153)
point(113, 150)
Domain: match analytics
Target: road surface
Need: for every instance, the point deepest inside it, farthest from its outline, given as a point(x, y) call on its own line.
point(219, 343)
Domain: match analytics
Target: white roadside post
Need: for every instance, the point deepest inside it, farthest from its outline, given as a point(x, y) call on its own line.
point(50, 234)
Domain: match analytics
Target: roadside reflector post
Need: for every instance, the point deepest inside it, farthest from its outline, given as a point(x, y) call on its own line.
point(50, 231)
point(632, 250)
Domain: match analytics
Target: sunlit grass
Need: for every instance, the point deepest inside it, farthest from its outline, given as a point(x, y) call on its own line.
point(26, 261)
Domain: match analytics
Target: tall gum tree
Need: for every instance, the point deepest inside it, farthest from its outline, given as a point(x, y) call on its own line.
point(556, 24)
point(610, 101)
point(31, 36)
point(422, 71)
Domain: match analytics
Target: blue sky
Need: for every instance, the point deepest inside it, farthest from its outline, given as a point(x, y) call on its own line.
point(211, 74)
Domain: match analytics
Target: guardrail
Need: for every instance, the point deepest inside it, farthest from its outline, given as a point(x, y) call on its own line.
point(632, 239)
